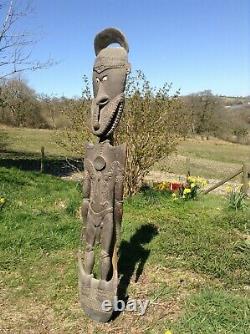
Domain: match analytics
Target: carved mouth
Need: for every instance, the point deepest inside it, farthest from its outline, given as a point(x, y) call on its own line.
point(114, 119)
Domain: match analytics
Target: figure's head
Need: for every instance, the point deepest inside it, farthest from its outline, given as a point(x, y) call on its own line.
point(109, 78)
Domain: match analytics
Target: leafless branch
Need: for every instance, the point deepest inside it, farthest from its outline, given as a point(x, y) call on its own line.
point(16, 46)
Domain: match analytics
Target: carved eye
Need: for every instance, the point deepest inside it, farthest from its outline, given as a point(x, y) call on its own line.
point(97, 80)
point(105, 78)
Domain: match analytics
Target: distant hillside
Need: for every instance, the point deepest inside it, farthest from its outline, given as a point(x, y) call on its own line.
point(235, 100)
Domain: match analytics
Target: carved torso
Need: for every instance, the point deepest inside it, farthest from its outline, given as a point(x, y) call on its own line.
point(104, 166)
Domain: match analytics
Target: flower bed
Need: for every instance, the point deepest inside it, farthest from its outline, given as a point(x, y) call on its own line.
point(187, 190)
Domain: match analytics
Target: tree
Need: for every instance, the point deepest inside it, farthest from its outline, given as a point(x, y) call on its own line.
point(15, 46)
point(19, 105)
point(204, 109)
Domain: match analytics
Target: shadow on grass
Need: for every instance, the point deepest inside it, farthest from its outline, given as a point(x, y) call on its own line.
point(132, 259)
point(57, 166)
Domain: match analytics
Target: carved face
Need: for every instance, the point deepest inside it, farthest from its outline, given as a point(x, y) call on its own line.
point(107, 105)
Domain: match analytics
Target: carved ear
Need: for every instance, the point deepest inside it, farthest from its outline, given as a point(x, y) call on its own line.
point(109, 36)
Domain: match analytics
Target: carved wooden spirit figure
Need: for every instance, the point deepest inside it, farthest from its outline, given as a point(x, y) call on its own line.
point(103, 175)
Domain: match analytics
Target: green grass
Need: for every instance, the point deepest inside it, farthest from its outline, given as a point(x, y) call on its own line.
point(208, 158)
point(215, 312)
point(38, 216)
point(216, 150)
point(202, 235)
point(194, 255)
point(21, 147)
point(28, 142)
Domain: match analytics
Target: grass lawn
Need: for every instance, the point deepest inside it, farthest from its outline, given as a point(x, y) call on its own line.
point(190, 259)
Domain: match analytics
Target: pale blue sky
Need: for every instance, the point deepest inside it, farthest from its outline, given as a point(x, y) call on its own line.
point(196, 44)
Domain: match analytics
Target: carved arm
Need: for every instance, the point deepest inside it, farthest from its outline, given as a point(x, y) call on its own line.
point(86, 195)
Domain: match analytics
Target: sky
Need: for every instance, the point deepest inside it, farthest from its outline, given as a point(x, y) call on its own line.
point(195, 44)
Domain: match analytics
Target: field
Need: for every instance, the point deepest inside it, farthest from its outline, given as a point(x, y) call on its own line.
point(190, 259)
point(23, 142)
point(208, 158)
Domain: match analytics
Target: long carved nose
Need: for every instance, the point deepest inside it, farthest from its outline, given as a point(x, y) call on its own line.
point(102, 98)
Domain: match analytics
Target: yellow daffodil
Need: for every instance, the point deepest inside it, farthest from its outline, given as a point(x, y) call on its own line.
point(186, 191)
point(198, 181)
point(229, 189)
point(2, 200)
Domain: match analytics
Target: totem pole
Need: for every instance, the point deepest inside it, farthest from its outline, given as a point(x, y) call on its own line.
point(104, 166)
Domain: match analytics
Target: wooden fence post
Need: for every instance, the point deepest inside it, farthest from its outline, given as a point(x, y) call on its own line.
point(42, 159)
point(188, 172)
point(245, 181)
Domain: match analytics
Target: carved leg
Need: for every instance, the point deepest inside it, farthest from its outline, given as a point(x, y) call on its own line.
point(107, 236)
point(89, 250)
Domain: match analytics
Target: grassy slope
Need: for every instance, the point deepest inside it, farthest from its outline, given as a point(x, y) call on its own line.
point(213, 158)
point(195, 256)
point(209, 158)
point(30, 141)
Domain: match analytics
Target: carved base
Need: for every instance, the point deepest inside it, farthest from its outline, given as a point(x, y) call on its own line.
point(94, 292)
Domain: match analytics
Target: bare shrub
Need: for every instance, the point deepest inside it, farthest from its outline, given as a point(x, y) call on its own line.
point(151, 126)
point(76, 132)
